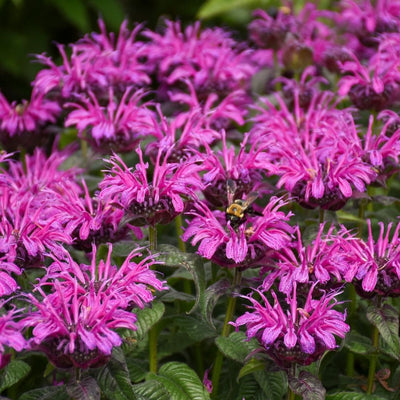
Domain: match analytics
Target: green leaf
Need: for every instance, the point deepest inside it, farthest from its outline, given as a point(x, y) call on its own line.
point(307, 385)
point(146, 318)
point(236, 346)
point(47, 393)
point(12, 373)
point(210, 297)
point(274, 384)
point(212, 8)
point(386, 319)
point(194, 328)
point(181, 382)
point(111, 11)
point(251, 366)
point(114, 379)
point(344, 216)
point(353, 396)
point(173, 257)
point(84, 389)
point(152, 390)
point(75, 12)
point(358, 343)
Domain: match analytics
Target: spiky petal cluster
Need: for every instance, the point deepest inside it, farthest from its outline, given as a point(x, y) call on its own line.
point(119, 126)
point(292, 331)
point(311, 151)
point(149, 200)
point(372, 265)
point(243, 246)
point(209, 58)
point(74, 322)
point(97, 62)
point(303, 265)
point(24, 123)
point(10, 333)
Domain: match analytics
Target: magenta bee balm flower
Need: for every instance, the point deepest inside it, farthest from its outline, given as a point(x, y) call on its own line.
point(293, 330)
point(146, 199)
point(241, 244)
point(74, 322)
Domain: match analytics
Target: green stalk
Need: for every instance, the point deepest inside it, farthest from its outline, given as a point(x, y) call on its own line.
point(187, 288)
point(373, 360)
point(321, 215)
point(153, 332)
point(290, 394)
point(374, 356)
point(226, 329)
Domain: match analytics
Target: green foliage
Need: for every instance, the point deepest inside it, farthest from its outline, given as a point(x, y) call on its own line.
point(12, 373)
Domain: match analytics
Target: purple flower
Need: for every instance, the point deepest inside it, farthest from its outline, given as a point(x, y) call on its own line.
point(314, 152)
point(180, 136)
point(270, 31)
point(118, 127)
point(209, 58)
point(243, 246)
point(24, 124)
point(293, 331)
point(372, 265)
point(305, 265)
point(243, 168)
point(96, 63)
point(91, 220)
point(10, 333)
point(371, 87)
point(150, 200)
point(74, 324)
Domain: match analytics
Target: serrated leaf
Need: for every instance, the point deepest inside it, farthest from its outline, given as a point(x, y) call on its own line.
point(84, 389)
point(236, 346)
point(171, 295)
point(386, 319)
point(251, 366)
point(193, 327)
point(273, 384)
point(307, 385)
point(152, 390)
point(114, 379)
point(13, 372)
point(181, 382)
point(146, 318)
point(353, 396)
point(46, 393)
point(248, 388)
point(358, 344)
point(172, 256)
point(210, 297)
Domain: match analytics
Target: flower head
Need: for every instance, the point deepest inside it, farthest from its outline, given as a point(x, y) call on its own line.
point(25, 123)
point(151, 200)
point(306, 265)
point(372, 265)
point(294, 330)
point(117, 127)
point(74, 323)
point(244, 245)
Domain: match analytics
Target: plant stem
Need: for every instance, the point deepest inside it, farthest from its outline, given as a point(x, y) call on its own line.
point(321, 215)
point(290, 395)
point(153, 332)
point(225, 332)
point(373, 360)
point(187, 287)
point(153, 237)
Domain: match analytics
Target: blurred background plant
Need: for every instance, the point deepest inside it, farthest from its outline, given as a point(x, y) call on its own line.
point(34, 27)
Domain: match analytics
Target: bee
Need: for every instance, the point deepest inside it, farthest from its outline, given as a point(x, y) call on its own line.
point(238, 209)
